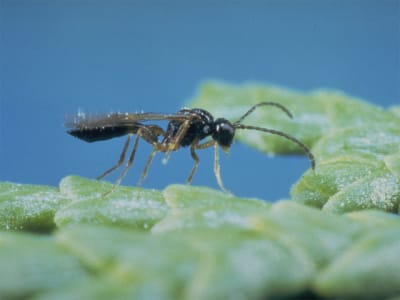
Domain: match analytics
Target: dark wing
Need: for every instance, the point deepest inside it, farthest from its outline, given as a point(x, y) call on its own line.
point(93, 128)
point(82, 120)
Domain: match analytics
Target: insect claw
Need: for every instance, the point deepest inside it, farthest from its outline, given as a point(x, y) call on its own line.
point(166, 158)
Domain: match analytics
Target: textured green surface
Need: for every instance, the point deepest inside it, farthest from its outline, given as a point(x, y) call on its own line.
point(339, 239)
point(356, 144)
point(136, 207)
point(29, 207)
point(32, 264)
point(203, 245)
point(368, 269)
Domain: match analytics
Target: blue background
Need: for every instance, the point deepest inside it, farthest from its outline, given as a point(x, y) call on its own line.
point(100, 56)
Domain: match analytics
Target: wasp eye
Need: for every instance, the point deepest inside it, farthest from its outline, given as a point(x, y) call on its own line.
point(223, 132)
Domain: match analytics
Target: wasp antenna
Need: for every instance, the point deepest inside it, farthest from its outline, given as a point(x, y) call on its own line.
point(284, 135)
point(253, 108)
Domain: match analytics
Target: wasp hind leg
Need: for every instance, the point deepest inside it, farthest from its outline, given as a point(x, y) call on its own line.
point(196, 162)
point(120, 161)
point(149, 135)
point(147, 166)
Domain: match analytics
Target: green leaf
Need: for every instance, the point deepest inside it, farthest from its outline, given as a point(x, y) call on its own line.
point(190, 242)
point(395, 110)
point(369, 269)
point(201, 207)
point(29, 207)
point(315, 114)
point(321, 235)
point(210, 246)
point(356, 144)
point(331, 176)
point(372, 219)
point(182, 197)
point(379, 191)
point(31, 264)
point(392, 163)
point(377, 141)
point(358, 169)
point(203, 264)
point(126, 206)
point(249, 267)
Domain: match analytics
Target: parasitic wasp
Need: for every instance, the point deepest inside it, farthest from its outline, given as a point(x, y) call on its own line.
point(187, 128)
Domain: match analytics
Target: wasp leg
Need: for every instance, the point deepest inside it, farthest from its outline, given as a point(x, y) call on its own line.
point(176, 142)
point(196, 161)
point(148, 163)
point(148, 135)
point(217, 170)
point(127, 167)
point(129, 163)
point(172, 143)
point(164, 146)
point(120, 161)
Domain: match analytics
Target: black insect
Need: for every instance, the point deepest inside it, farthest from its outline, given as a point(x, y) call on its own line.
point(185, 128)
